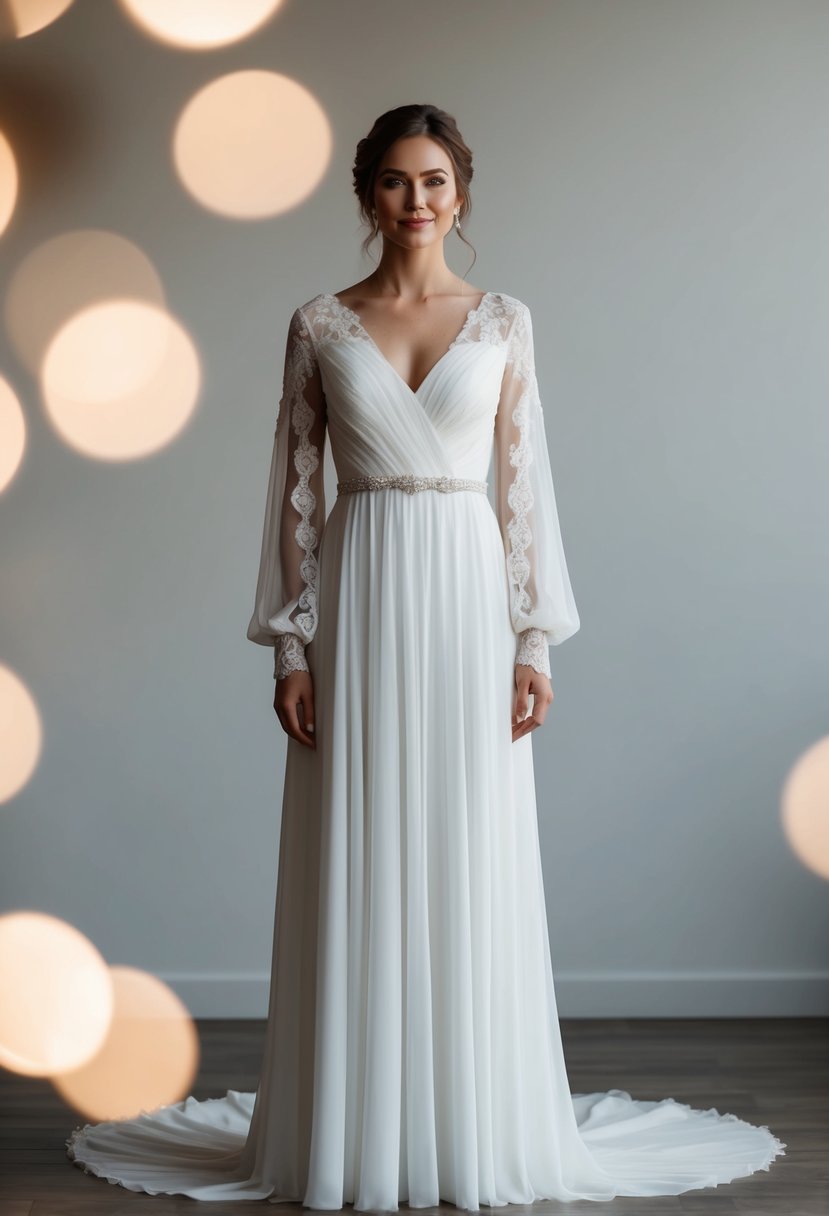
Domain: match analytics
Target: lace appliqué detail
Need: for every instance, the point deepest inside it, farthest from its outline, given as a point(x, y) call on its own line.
point(306, 462)
point(289, 655)
point(519, 495)
point(533, 650)
point(333, 320)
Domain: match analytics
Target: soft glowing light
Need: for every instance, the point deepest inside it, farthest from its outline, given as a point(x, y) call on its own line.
point(120, 380)
point(805, 808)
point(149, 1058)
point(107, 351)
point(12, 433)
point(8, 182)
point(66, 274)
point(57, 995)
point(24, 17)
point(196, 24)
point(21, 734)
point(252, 144)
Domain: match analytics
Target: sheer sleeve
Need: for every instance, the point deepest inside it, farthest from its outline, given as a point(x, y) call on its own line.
point(285, 612)
point(542, 606)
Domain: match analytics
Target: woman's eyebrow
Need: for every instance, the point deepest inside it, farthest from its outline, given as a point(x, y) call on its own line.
point(425, 172)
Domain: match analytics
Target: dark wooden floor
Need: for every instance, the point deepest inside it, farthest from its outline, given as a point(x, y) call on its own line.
point(772, 1071)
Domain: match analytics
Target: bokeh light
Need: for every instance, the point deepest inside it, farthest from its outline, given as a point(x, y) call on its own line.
point(107, 351)
point(66, 274)
point(200, 24)
point(57, 995)
point(805, 808)
point(150, 1056)
point(19, 18)
point(9, 182)
point(12, 433)
point(120, 380)
point(21, 734)
point(252, 144)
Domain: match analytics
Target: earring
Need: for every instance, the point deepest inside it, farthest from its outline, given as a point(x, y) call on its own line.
point(457, 219)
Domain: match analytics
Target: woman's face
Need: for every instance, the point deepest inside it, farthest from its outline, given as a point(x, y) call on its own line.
point(415, 180)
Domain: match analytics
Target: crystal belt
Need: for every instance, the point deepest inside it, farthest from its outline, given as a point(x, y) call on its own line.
point(409, 483)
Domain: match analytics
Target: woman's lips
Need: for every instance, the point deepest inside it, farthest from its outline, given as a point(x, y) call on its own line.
point(415, 223)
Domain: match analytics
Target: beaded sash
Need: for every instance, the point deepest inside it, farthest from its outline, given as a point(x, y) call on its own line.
point(409, 483)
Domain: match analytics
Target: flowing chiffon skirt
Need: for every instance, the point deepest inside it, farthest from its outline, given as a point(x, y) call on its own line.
point(413, 1051)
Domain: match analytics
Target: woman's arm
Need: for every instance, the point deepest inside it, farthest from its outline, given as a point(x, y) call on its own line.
point(285, 611)
point(542, 607)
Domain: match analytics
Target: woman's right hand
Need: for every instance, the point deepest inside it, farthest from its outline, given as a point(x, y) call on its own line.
point(294, 705)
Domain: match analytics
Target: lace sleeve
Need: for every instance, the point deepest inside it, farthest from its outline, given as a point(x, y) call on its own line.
point(542, 606)
point(285, 611)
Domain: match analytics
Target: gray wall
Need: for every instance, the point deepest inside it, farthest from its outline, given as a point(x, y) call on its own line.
point(651, 180)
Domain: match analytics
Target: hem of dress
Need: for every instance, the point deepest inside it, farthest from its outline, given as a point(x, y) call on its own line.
point(777, 1148)
point(78, 1134)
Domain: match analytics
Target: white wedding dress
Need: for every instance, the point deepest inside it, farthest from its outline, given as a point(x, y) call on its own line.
point(413, 1051)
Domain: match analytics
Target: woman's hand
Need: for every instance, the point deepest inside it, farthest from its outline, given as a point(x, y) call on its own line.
point(528, 680)
point(294, 705)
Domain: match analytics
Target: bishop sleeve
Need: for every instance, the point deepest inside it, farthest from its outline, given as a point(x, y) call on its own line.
point(285, 611)
point(542, 607)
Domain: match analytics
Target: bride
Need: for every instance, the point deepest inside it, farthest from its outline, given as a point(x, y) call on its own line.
point(413, 1051)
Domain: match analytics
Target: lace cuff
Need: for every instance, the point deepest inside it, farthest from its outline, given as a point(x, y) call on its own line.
point(533, 650)
point(289, 655)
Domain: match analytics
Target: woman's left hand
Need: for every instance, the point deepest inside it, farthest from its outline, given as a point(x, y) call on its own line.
point(528, 680)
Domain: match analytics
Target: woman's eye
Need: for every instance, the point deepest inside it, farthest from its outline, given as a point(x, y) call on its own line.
point(439, 181)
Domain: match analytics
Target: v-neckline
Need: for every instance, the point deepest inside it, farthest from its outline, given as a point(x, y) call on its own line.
point(470, 316)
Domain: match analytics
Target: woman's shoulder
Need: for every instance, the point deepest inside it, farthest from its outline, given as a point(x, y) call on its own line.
point(512, 302)
point(309, 305)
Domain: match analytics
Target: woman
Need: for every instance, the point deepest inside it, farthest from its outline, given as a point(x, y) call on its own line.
point(413, 1051)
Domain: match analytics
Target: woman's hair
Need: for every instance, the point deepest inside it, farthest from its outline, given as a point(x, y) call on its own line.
point(400, 123)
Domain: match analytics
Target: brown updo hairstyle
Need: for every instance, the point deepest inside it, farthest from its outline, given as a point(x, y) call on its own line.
point(400, 123)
